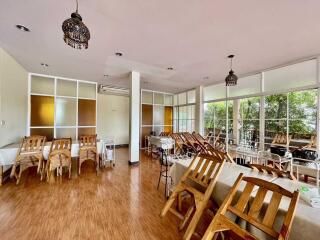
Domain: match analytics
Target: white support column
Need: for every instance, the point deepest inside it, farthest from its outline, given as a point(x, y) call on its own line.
point(318, 107)
point(199, 117)
point(262, 115)
point(134, 151)
point(236, 118)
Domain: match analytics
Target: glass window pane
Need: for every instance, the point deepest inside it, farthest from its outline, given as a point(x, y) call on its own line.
point(296, 75)
point(87, 90)
point(66, 133)
point(158, 130)
point(273, 127)
point(86, 131)
point(66, 111)
point(175, 100)
point(250, 108)
point(147, 97)
point(303, 105)
point(47, 132)
point(168, 100)
point(86, 112)
point(158, 115)
point(147, 114)
point(192, 96)
point(158, 98)
point(276, 106)
point(42, 85)
point(214, 92)
point(182, 98)
point(66, 88)
point(42, 111)
point(246, 85)
point(168, 115)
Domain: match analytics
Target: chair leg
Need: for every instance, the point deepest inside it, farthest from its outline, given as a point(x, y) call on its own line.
point(70, 170)
point(13, 171)
point(159, 178)
point(168, 204)
point(194, 221)
point(79, 167)
point(186, 217)
point(19, 175)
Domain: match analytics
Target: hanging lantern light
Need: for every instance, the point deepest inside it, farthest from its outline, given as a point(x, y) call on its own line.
point(231, 79)
point(76, 33)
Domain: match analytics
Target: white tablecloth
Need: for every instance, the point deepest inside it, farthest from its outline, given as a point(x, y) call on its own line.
point(306, 224)
point(9, 153)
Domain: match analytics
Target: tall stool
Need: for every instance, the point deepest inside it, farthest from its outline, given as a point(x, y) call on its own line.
point(164, 170)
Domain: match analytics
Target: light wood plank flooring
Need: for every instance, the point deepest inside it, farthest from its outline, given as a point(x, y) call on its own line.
point(119, 203)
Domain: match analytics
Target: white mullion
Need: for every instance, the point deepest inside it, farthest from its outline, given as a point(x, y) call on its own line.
point(29, 105)
point(77, 111)
point(55, 109)
point(318, 107)
point(227, 121)
point(288, 121)
point(262, 123)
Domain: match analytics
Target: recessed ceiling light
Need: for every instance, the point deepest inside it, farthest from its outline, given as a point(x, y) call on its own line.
point(118, 54)
point(22, 28)
point(170, 68)
point(206, 78)
point(44, 65)
point(106, 75)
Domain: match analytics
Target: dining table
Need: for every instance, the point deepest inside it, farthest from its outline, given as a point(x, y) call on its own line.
point(306, 223)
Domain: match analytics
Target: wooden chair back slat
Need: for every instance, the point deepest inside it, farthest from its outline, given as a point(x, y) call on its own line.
point(88, 140)
point(272, 209)
point(245, 197)
point(204, 167)
point(257, 203)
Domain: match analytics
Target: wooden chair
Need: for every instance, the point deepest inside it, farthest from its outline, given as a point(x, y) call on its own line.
point(180, 145)
point(269, 169)
point(206, 172)
point(164, 134)
point(30, 154)
point(312, 145)
point(88, 150)
point(221, 155)
point(59, 156)
point(193, 143)
point(281, 140)
point(221, 222)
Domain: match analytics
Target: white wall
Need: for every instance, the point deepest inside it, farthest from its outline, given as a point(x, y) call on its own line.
point(113, 118)
point(13, 99)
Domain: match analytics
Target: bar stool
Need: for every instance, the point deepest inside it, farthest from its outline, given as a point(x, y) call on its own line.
point(164, 170)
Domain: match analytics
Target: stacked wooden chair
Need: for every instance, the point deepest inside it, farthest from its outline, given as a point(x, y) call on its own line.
point(88, 151)
point(281, 140)
point(204, 170)
point(30, 154)
point(251, 213)
point(164, 134)
point(312, 145)
point(269, 169)
point(59, 157)
point(180, 145)
point(193, 144)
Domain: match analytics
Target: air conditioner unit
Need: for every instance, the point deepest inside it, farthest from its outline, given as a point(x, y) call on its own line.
point(112, 90)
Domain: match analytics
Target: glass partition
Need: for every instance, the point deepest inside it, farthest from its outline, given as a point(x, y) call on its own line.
point(42, 85)
point(66, 88)
point(87, 90)
point(66, 111)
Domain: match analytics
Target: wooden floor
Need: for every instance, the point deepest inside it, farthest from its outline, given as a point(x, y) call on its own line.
point(120, 203)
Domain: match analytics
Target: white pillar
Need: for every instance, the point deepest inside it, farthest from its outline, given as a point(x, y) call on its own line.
point(236, 121)
point(199, 110)
point(134, 151)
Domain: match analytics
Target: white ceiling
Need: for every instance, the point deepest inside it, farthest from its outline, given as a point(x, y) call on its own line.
point(194, 37)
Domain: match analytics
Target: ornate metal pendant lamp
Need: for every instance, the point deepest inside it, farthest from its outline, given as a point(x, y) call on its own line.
point(76, 33)
point(231, 79)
